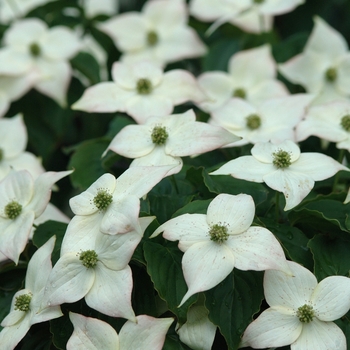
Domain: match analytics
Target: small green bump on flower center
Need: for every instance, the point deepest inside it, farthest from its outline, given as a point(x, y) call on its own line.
point(22, 302)
point(218, 233)
point(305, 313)
point(281, 159)
point(35, 50)
point(144, 87)
point(253, 122)
point(345, 123)
point(152, 38)
point(1, 154)
point(159, 135)
point(13, 209)
point(103, 199)
point(239, 92)
point(89, 258)
point(331, 74)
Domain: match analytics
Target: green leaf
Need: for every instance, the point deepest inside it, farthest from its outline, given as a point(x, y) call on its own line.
point(195, 207)
point(117, 124)
point(88, 66)
point(233, 302)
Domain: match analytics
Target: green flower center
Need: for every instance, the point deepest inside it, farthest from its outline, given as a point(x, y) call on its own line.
point(1, 154)
point(159, 135)
point(345, 123)
point(22, 302)
point(239, 92)
point(152, 38)
point(331, 74)
point(144, 87)
point(35, 50)
point(281, 159)
point(89, 258)
point(305, 313)
point(253, 122)
point(218, 233)
point(13, 209)
point(103, 199)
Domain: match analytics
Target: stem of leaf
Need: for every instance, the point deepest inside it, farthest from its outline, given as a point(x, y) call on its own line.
point(336, 178)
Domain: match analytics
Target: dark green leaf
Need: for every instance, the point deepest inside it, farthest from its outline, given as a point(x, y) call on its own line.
point(87, 65)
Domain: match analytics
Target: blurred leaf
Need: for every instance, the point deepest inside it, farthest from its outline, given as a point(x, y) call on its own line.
point(118, 123)
point(86, 64)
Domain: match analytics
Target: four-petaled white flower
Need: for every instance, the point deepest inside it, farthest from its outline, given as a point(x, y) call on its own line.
point(142, 90)
point(301, 311)
point(159, 33)
point(222, 239)
point(282, 167)
point(145, 334)
point(22, 200)
point(323, 67)
point(162, 141)
point(41, 54)
point(26, 303)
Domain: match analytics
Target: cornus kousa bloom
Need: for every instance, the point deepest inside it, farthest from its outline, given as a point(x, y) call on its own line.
point(158, 33)
point(301, 311)
point(22, 200)
point(113, 205)
point(323, 67)
point(26, 303)
point(253, 16)
point(40, 54)
point(274, 119)
point(90, 334)
point(329, 121)
point(282, 167)
point(222, 239)
point(251, 76)
point(162, 141)
point(142, 90)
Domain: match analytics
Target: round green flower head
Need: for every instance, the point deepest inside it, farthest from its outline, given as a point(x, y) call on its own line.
point(305, 313)
point(345, 123)
point(331, 74)
point(239, 92)
point(253, 122)
point(22, 302)
point(152, 38)
point(218, 233)
point(159, 135)
point(1, 154)
point(13, 209)
point(281, 159)
point(89, 258)
point(144, 86)
point(103, 199)
point(35, 50)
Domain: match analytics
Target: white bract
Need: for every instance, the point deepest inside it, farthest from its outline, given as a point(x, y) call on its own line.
point(91, 334)
point(274, 119)
point(26, 303)
point(159, 33)
point(282, 167)
point(162, 141)
point(251, 76)
point(93, 8)
point(40, 54)
point(22, 200)
point(301, 311)
point(323, 68)
point(142, 90)
point(222, 239)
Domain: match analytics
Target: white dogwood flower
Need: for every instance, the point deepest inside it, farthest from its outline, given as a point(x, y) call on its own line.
point(283, 168)
point(222, 239)
point(301, 311)
point(142, 90)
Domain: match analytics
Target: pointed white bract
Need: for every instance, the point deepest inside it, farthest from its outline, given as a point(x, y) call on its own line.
point(163, 141)
point(26, 304)
point(301, 311)
point(142, 90)
point(146, 333)
point(324, 65)
point(40, 55)
point(159, 33)
point(222, 239)
point(283, 168)
point(93, 8)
